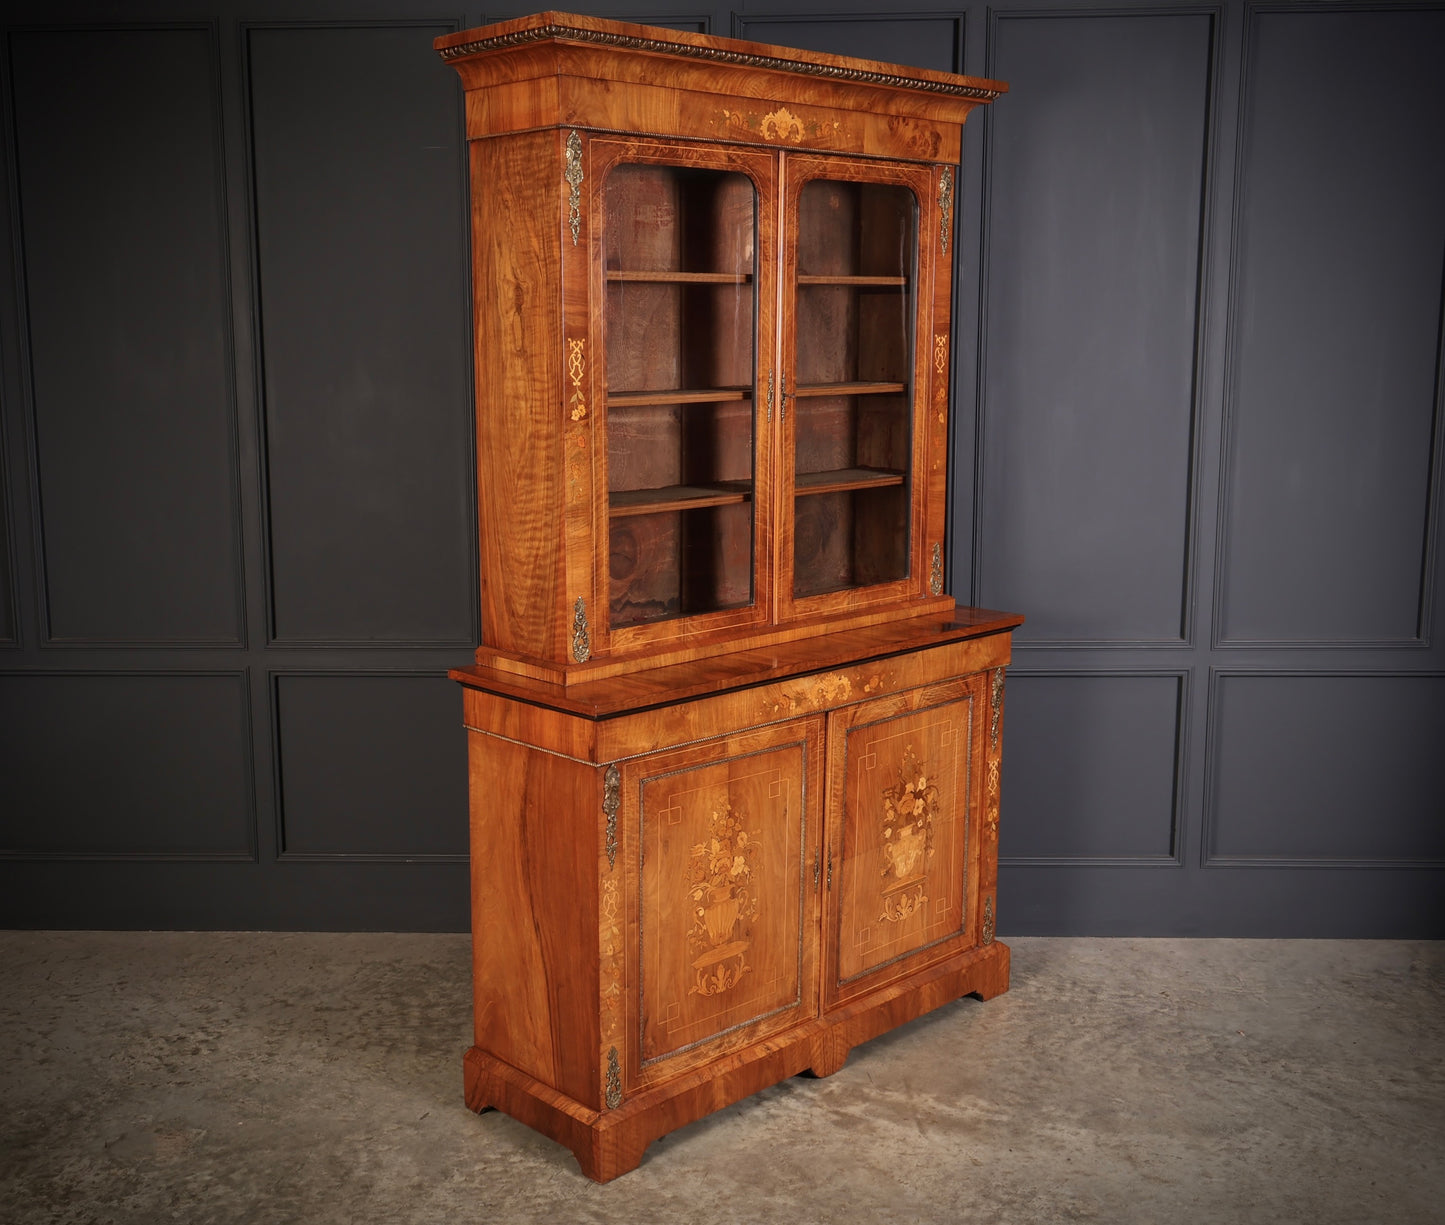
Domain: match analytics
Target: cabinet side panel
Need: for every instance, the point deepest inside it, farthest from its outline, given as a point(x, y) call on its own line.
point(516, 219)
point(534, 912)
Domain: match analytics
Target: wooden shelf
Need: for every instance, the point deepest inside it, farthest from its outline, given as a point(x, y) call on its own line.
point(848, 389)
point(677, 497)
point(862, 282)
point(701, 395)
point(842, 480)
point(680, 278)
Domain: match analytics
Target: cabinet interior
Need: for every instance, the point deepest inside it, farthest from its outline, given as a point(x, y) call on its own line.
point(853, 314)
point(680, 255)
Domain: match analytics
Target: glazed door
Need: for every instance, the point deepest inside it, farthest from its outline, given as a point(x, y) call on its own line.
point(727, 839)
point(903, 850)
point(684, 269)
point(857, 289)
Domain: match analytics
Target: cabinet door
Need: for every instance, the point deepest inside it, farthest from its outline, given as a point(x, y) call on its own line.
point(858, 336)
point(684, 270)
point(904, 785)
point(724, 915)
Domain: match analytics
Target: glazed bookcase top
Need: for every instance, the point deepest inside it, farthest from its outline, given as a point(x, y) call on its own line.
point(712, 297)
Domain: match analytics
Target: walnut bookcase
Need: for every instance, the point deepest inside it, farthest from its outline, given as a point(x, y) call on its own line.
point(734, 754)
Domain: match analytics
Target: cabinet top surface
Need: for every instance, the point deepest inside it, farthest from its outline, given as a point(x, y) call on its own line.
point(654, 42)
point(634, 691)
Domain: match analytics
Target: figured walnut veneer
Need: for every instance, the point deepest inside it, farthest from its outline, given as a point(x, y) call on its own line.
point(734, 753)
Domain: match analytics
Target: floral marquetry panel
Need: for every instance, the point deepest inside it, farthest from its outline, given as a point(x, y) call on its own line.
point(904, 781)
point(728, 850)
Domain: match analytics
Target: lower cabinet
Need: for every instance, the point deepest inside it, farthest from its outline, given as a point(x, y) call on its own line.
point(724, 891)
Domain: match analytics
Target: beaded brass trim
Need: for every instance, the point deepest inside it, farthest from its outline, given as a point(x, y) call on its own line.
point(837, 72)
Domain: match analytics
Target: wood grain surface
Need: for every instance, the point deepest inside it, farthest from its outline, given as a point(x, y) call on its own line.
point(734, 753)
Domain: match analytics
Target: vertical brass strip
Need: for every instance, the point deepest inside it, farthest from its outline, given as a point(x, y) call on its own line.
point(996, 702)
point(581, 639)
point(986, 936)
point(573, 175)
point(611, 801)
point(935, 576)
point(945, 206)
point(614, 1080)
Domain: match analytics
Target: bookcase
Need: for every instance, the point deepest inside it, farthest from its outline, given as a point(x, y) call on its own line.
point(734, 753)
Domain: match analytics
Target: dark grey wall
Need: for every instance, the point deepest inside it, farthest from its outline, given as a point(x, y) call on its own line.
point(1198, 442)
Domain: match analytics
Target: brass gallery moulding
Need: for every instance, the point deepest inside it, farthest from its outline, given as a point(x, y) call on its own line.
point(627, 42)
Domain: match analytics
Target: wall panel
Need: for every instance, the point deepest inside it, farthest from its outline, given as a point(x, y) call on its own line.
point(371, 765)
point(922, 40)
point(1340, 248)
point(117, 167)
point(1092, 768)
point(1095, 181)
point(1200, 260)
point(363, 273)
point(8, 628)
point(130, 765)
point(1327, 769)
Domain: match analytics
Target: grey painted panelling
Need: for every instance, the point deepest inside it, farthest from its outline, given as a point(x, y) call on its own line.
point(7, 591)
point(1093, 233)
point(125, 764)
point(363, 271)
point(371, 765)
point(1327, 768)
point(1090, 766)
point(117, 162)
point(1340, 245)
point(919, 41)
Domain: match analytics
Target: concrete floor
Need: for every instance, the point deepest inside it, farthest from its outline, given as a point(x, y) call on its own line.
point(317, 1078)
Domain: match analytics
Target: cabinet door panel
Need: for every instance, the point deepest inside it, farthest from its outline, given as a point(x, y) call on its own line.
point(858, 292)
point(683, 275)
point(904, 783)
point(725, 904)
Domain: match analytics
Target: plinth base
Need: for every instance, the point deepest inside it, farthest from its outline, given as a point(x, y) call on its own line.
point(608, 1143)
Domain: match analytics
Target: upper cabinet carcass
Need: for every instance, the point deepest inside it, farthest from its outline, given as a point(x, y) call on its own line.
point(712, 290)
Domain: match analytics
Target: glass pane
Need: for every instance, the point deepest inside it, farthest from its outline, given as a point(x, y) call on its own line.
point(680, 253)
point(853, 444)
